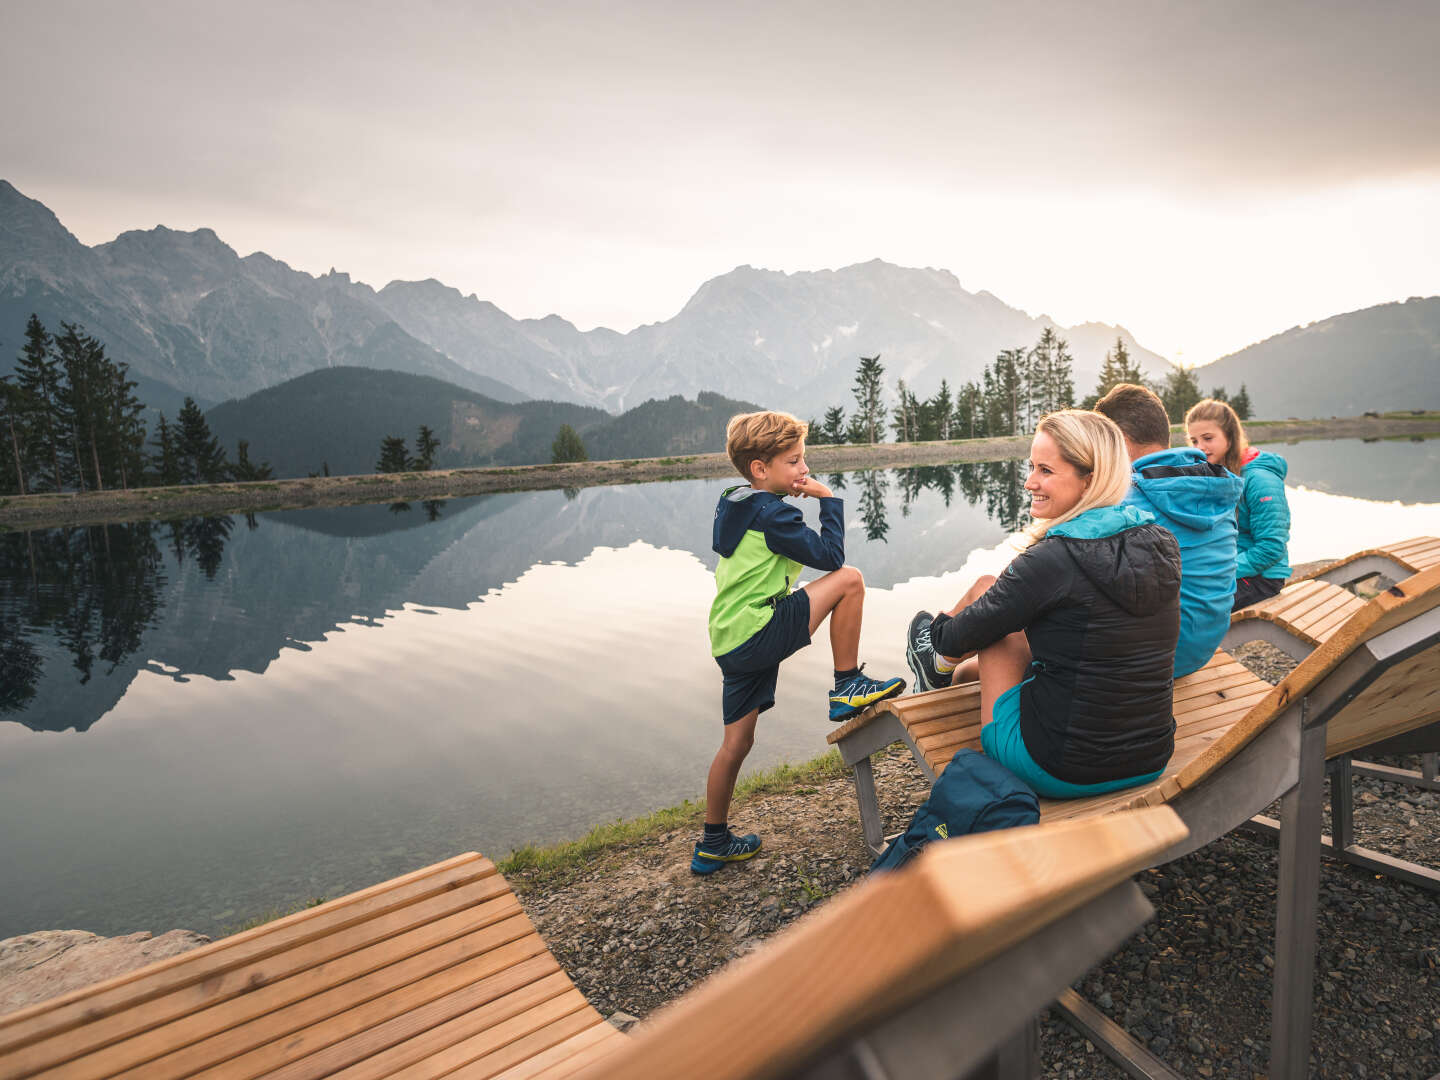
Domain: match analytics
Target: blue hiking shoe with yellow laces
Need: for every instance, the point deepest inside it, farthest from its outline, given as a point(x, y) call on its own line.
point(709, 858)
point(857, 693)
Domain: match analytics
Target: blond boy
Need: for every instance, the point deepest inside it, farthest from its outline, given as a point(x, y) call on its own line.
point(759, 618)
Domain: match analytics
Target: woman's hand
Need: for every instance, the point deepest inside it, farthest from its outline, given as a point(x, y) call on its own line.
point(812, 488)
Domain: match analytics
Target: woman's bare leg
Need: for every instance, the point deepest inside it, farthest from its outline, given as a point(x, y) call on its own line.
point(1002, 665)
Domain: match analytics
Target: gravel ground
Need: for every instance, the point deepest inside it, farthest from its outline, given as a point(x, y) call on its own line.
point(637, 929)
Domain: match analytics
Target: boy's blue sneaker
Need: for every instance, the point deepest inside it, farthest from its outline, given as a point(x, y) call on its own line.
point(858, 692)
point(920, 655)
point(707, 860)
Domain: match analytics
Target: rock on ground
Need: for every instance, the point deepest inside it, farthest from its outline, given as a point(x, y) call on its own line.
point(37, 967)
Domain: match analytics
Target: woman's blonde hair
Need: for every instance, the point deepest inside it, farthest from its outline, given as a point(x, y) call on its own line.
point(1093, 444)
point(1219, 412)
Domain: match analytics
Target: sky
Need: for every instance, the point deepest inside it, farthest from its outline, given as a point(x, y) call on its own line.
point(1206, 174)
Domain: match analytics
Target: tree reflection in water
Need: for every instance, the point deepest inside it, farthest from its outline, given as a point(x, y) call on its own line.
point(999, 483)
point(94, 589)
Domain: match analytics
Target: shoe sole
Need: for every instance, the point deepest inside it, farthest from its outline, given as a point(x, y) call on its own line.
point(856, 710)
point(922, 683)
point(711, 863)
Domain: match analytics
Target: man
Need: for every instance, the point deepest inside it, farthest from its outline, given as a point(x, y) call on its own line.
point(1194, 500)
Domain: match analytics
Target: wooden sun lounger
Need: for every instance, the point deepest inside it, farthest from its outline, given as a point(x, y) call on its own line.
point(1240, 744)
point(1395, 561)
point(440, 973)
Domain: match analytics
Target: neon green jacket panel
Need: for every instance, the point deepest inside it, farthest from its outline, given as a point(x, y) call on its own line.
point(745, 582)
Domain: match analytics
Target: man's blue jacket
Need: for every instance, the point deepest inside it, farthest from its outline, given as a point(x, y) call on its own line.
point(1196, 501)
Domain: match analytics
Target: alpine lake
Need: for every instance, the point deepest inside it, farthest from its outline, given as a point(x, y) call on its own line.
point(206, 720)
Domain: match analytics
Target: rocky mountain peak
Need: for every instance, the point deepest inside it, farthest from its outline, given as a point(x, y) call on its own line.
point(29, 228)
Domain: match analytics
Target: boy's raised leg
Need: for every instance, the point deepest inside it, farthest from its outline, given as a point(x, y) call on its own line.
point(840, 595)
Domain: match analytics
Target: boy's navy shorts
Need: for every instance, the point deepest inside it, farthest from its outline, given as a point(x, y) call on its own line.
point(751, 668)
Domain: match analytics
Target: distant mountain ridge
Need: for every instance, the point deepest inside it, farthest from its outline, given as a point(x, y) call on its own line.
point(190, 316)
point(1382, 357)
point(336, 418)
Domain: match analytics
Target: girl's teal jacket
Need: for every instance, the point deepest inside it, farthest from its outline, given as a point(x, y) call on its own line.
point(1264, 518)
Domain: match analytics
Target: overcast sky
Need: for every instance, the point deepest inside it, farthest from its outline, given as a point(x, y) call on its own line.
point(1206, 174)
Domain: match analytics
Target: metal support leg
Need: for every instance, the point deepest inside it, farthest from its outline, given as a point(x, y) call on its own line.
point(1301, 816)
point(869, 805)
point(1430, 767)
point(1342, 804)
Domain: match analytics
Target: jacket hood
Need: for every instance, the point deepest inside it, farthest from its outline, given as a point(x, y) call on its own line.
point(736, 511)
point(1187, 489)
point(1125, 555)
point(1263, 459)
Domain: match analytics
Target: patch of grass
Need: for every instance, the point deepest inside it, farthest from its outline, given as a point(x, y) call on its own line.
point(269, 916)
point(557, 862)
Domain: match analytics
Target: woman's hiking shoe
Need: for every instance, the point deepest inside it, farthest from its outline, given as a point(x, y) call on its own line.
point(857, 692)
point(707, 860)
point(920, 654)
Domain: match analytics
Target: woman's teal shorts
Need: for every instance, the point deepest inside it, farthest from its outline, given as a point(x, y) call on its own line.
point(1000, 739)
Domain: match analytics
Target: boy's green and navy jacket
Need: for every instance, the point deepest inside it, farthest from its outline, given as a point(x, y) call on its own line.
point(763, 541)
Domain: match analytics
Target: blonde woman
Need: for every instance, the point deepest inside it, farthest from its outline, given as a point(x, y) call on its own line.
point(1074, 643)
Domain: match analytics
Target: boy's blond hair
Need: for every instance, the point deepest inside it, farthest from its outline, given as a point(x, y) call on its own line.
point(759, 436)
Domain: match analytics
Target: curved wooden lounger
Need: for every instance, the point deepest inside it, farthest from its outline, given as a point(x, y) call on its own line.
point(440, 972)
point(1395, 561)
point(1240, 744)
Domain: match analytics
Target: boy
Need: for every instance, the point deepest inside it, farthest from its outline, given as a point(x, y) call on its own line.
point(1194, 500)
point(757, 620)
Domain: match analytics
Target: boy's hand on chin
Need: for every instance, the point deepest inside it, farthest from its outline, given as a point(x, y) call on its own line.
point(812, 488)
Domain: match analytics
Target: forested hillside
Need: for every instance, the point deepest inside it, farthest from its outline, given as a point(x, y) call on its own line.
point(671, 426)
point(337, 418)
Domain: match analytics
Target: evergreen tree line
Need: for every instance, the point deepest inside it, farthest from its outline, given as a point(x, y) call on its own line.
point(1009, 398)
point(70, 421)
point(395, 458)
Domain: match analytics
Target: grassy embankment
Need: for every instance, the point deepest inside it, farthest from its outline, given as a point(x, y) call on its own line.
point(74, 508)
point(547, 864)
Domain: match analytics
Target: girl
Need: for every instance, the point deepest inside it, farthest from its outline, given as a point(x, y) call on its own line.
point(1263, 515)
point(1075, 641)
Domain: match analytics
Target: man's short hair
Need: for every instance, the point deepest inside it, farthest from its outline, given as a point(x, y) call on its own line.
point(1139, 414)
point(759, 436)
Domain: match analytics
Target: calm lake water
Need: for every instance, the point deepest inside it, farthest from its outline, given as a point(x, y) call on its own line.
point(205, 721)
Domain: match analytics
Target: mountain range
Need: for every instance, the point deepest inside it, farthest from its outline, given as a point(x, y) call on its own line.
point(191, 316)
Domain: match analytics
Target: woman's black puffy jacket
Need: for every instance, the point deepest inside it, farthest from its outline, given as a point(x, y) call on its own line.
point(1102, 617)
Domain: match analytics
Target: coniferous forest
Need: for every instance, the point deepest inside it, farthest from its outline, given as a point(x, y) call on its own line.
point(70, 421)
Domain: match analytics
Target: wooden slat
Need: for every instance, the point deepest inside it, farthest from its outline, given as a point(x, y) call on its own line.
point(886, 942)
point(1417, 554)
point(577, 1063)
point(85, 1005)
point(502, 1045)
point(257, 1040)
point(460, 1014)
point(592, 1044)
point(224, 985)
point(1343, 604)
point(1322, 630)
point(499, 1023)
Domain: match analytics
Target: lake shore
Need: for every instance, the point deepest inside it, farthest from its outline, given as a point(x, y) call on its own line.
point(165, 503)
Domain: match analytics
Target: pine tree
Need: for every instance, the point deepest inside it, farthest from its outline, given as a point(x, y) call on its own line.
point(38, 378)
point(905, 416)
point(83, 402)
point(815, 433)
point(12, 421)
point(393, 458)
point(1218, 394)
point(1116, 369)
point(165, 462)
point(1006, 393)
point(425, 446)
point(125, 437)
point(1181, 390)
point(942, 412)
point(245, 469)
point(969, 421)
point(200, 456)
point(568, 446)
point(869, 407)
point(1241, 404)
point(835, 425)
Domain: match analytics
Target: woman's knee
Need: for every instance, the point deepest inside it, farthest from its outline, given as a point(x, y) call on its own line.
point(980, 587)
